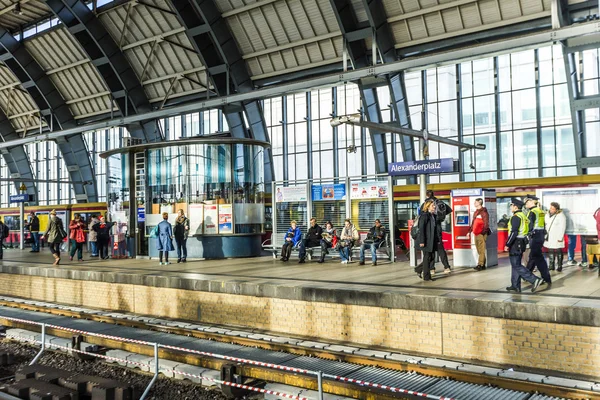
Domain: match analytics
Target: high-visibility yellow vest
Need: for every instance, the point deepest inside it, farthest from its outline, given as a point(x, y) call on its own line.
point(540, 218)
point(523, 225)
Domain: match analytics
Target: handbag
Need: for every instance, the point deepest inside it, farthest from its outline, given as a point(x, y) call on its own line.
point(154, 232)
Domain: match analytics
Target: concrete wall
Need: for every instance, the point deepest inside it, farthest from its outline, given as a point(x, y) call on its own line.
point(560, 347)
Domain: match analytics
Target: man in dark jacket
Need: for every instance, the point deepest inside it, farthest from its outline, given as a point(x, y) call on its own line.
point(313, 239)
point(34, 229)
point(375, 236)
point(103, 230)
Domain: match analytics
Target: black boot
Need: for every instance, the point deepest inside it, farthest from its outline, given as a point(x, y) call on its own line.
point(551, 260)
point(560, 261)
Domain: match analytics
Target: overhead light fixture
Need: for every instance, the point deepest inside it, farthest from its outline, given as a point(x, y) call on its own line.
point(17, 10)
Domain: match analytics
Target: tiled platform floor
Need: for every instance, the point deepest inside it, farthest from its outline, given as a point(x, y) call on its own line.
point(573, 286)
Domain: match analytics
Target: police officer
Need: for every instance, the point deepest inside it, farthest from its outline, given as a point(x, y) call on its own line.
point(537, 232)
point(515, 245)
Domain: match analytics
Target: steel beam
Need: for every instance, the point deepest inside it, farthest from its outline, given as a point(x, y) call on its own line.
point(447, 58)
point(57, 114)
point(212, 40)
point(578, 105)
point(357, 50)
point(110, 62)
point(385, 43)
point(16, 158)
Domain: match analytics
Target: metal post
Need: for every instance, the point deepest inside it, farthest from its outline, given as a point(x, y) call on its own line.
point(39, 354)
point(273, 211)
point(133, 215)
point(320, 384)
point(391, 228)
point(22, 225)
point(308, 203)
point(348, 199)
point(422, 177)
point(155, 377)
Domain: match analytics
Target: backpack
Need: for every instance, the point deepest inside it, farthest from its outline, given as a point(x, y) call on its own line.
point(5, 231)
point(414, 231)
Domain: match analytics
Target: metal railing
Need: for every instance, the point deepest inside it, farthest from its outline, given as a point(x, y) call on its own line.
point(319, 375)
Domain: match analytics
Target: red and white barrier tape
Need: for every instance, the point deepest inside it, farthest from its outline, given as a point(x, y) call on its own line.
point(385, 387)
point(218, 381)
point(242, 360)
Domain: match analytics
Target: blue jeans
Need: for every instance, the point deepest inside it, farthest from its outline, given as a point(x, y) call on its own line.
point(573, 244)
point(373, 247)
point(35, 246)
point(345, 253)
point(94, 246)
point(181, 248)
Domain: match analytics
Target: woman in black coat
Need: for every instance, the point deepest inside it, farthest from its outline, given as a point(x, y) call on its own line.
point(427, 240)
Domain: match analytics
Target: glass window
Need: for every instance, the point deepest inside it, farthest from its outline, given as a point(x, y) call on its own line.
point(446, 83)
point(525, 148)
point(484, 114)
point(523, 69)
point(483, 76)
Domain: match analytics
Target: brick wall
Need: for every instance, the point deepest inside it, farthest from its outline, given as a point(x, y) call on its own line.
point(561, 347)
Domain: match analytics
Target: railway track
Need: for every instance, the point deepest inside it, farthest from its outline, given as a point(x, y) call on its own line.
point(349, 372)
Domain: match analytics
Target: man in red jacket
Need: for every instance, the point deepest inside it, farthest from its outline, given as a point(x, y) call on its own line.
point(481, 229)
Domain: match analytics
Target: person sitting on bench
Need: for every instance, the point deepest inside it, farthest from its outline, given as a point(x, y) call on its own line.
point(291, 238)
point(328, 241)
point(374, 238)
point(313, 239)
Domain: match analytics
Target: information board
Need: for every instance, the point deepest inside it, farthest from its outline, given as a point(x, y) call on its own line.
point(577, 204)
point(329, 192)
point(196, 217)
point(369, 190)
point(225, 218)
point(211, 216)
point(290, 194)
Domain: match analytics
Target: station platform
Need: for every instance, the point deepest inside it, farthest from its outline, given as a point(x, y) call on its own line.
point(465, 315)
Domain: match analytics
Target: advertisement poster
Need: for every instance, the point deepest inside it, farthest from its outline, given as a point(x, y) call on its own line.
point(196, 216)
point(329, 192)
point(211, 216)
point(578, 205)
point(290, 194)
point(225, 220)
point(369, 190)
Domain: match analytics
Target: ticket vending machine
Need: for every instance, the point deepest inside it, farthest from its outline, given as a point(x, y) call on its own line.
point(465, 253)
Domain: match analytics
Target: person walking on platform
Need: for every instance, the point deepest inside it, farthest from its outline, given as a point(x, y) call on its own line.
point(76, 237)
point(329, 240)
point(375, 236)
point(291, 238)
point(556, 225)
point(441, 211)
point(165, 239)
point(4, 231)
point(102, 228)
point(427, 239)
point(54, 236)
point(480, 229)
point(93, 236)
point(182, 231)
point(34, 229)
point(313, 239)
point(537, 234)
point(515, 245)
point(348, 237)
